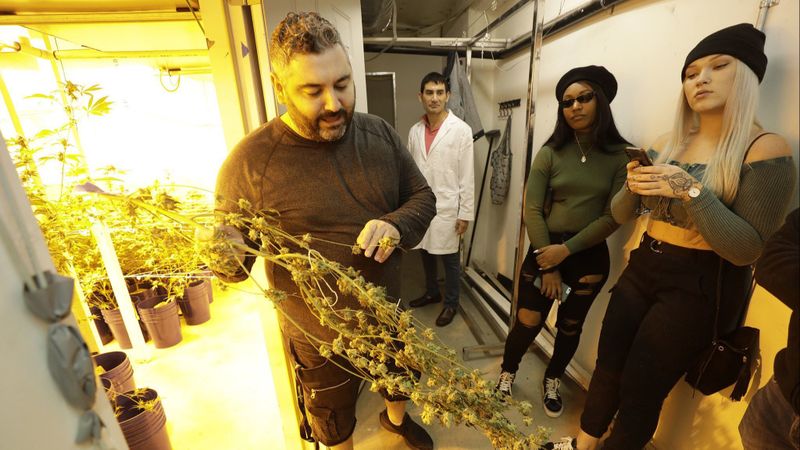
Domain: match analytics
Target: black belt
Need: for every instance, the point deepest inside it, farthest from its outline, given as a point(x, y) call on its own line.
point(661, 247)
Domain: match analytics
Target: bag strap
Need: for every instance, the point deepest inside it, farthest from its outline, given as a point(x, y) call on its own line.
point(748, 297)
point(717, 300)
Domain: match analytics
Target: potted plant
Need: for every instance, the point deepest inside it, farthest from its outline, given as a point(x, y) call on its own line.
point(147, 254)
point(65, 218)
point(117, 369)
point(142, 419)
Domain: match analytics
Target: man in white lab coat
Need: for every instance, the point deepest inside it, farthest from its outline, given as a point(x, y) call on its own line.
point(441, 145)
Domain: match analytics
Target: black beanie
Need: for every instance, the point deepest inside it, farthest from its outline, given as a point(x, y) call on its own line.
point(743, 41)
point(596, 74)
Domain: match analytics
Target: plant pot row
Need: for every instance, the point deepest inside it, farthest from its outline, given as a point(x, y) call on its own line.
point(158, 319)
point(117, 370)
point(139, 411)
point(143, 428)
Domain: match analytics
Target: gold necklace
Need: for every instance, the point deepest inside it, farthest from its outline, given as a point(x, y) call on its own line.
point(583, 154)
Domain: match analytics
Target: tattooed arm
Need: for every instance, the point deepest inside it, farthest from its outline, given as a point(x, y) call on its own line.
point(664, 180)
point(736, 232)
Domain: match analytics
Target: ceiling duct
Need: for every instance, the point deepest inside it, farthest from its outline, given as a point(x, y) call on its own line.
point(376, 15)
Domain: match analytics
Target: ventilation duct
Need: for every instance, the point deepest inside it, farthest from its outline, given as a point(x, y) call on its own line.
point(375, 16)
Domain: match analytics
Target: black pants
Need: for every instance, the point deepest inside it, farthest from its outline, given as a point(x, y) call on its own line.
point(571, 313)
point(659, 318)
point(330, 390)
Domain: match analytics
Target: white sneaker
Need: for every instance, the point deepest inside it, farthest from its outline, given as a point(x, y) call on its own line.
point(505, 382)
point(566, 443)
point(551, 397)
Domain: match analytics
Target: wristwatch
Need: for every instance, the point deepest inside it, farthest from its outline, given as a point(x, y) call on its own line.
point(693, 192)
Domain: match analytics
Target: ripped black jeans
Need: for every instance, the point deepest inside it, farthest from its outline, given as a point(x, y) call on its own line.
point(571, 313)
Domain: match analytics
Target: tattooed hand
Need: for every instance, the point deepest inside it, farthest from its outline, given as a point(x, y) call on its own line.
point(664, 180)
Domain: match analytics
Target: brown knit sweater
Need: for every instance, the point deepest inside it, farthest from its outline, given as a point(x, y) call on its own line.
point(330, 190)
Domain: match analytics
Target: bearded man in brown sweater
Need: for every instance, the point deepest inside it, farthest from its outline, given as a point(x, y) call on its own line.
point(343, 177)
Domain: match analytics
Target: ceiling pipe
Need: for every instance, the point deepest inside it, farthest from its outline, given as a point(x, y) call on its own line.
point(440, 42)
point(24, 46)
point(408, 50)
point(499, 20)
point(561, 23)
point(558, 24)
point(577, 15)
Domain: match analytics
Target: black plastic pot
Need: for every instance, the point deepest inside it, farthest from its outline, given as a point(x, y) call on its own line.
point(110, 392)
point(142, 294)
point(162, 322)
point(113, 318)
point(143, 429)
point(131, 284)
point(103, 330)
point(209, 274)
point(194, 303)
point(138, 296)
point(118, 371)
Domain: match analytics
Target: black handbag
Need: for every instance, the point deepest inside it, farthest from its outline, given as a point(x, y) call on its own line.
point(729, 359)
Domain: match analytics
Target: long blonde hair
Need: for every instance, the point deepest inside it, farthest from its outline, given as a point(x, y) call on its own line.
point(724, 167)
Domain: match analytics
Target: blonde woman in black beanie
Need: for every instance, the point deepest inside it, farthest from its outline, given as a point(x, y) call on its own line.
point(719, 187)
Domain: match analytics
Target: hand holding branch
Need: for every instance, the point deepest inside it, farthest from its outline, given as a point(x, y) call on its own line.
point(378, 235)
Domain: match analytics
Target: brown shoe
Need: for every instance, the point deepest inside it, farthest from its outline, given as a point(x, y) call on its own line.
point(425, 300)
point(446, 316)
point(415, 436)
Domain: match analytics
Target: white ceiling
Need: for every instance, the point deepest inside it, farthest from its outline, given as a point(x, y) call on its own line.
point(75, 6)
point(414, 16)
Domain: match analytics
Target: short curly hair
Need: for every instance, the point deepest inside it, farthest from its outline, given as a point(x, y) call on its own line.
point(301, 33)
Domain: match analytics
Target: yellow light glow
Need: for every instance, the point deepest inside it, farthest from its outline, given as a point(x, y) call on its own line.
point(150, 133)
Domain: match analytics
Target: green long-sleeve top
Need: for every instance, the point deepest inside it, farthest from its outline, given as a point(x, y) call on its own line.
point(737, 232)
point(581, 194)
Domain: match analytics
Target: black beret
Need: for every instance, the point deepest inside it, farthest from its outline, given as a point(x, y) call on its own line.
point(596, 74)
point(743, 41)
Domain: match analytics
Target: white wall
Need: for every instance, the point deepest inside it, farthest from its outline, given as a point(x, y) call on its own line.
point(644, 43)
point(35, 415)
point(408, 70)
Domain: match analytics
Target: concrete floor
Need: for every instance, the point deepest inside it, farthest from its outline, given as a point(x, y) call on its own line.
point(216, 398)
point(215, 385)
point(370, 435)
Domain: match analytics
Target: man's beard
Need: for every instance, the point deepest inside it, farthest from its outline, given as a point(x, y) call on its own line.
point(312, 128)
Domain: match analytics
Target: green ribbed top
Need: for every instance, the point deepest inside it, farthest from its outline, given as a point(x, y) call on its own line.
point(736, 232)
point(582, 194)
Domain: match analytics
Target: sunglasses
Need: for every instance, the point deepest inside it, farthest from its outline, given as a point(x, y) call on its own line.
point(584, 98)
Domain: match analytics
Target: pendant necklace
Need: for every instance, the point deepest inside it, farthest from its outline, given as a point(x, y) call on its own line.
point(583, 154)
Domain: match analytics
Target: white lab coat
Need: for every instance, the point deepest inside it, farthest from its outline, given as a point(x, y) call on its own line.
point(450, 172)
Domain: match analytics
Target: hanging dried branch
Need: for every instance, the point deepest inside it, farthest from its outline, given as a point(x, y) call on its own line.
point(370, 337)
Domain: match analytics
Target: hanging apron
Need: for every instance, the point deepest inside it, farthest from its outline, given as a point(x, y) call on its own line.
point(501, 167)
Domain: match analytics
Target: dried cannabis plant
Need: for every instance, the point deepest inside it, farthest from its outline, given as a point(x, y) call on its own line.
point(371, 336)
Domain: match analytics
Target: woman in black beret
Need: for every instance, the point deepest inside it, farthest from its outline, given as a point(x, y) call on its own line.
point(568, 218)
point(718, 189)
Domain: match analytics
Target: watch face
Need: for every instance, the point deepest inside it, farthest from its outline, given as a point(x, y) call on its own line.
point(694, 192)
